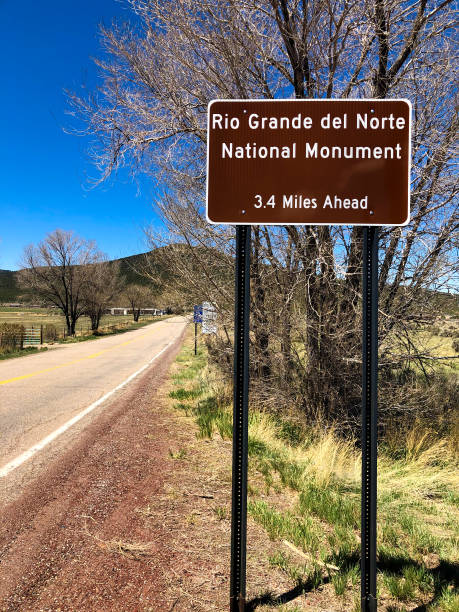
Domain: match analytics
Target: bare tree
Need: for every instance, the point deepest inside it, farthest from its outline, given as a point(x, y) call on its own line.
point(58, 271)
point(103, 285)
point(150, 113)
point(138, 297)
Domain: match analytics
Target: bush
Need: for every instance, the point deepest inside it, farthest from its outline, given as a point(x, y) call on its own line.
point(50, 333)
point(11, 336)
point(456, 346)
point(406, 395)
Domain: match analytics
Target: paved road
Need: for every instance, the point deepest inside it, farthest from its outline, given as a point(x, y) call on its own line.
point(39, 393)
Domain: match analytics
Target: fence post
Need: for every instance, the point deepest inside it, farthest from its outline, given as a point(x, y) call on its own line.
point(41, 333)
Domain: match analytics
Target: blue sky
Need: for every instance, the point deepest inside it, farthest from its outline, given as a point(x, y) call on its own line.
point(46, 47)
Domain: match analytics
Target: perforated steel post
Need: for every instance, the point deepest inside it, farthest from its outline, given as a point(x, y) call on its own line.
point(240, 420)
point(369, 418)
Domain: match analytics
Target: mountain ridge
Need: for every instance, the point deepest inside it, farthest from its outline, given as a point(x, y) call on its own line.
point(10, 291)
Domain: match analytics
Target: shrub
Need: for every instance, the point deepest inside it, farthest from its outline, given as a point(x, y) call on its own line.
point(50, 333)
point(11, 336)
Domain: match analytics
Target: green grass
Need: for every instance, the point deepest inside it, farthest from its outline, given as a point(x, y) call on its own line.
point(44, 316)
point(448, 601)
point(302, 575)
point(304, 488)
point(221, 513)
point(302, 531)
point(22, 353)
point(110, 332)
point(330, 504)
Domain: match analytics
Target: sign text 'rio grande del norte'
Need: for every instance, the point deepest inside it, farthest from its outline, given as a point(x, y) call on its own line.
point(328, 162)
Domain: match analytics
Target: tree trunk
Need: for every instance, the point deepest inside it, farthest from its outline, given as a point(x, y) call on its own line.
point(95, 321)
point(70, 325)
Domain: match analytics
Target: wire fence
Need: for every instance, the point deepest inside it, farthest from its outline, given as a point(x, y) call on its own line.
point(14, 337)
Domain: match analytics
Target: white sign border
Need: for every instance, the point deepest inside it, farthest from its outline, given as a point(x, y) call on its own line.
point(274, 100)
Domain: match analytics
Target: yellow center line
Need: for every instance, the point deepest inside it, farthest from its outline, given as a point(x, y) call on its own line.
point(64, 365)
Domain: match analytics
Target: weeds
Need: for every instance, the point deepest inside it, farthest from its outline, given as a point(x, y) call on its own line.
point(133, 550)
point(179, 454)
point(303, 532)
point(418, 505)
point(30, 350)
point(339, 582)
point(221, 513)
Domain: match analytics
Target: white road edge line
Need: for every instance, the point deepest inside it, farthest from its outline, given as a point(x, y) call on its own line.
point(15, 463)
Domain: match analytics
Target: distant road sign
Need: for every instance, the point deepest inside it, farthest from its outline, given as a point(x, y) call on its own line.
point(327, 162)
point(197, 317)
point(209, 318)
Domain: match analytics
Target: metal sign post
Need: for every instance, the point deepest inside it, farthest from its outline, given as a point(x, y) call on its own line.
point(240, 421)
point(369, 418)
point(197, 318)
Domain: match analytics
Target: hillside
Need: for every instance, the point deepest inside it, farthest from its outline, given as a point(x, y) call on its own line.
point(129, 267)
point(9, 290)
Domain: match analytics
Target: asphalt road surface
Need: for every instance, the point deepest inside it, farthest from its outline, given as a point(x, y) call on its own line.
point(40, 393)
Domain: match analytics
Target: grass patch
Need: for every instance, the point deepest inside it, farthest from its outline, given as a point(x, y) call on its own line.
point(447, 602)
point(303, 532)
point(331, 505)
point(304, 489)
point(185, 394)
point(221, 513)
point(51, 316)
point(109, 332)
point(178, 454)
point(30, 350)
point(304, 576)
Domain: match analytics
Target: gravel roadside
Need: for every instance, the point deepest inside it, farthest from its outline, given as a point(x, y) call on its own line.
point(75, 540)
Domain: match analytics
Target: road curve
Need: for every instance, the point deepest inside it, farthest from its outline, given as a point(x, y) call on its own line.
point(42, 392)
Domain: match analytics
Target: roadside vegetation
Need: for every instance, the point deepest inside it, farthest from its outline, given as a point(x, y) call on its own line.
point(49, 327)
point(12, 354)
point(148, 113)
point(110, 330)
point(304, 490)
point(50, 317)
point(70, 274)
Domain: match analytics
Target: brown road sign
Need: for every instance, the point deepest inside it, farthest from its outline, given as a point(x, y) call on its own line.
point(329, 162)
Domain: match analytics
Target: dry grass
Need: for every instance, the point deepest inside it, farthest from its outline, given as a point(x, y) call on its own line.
point(41, 316)
point(132, 550)
point(304, 491)
point(324, 456)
